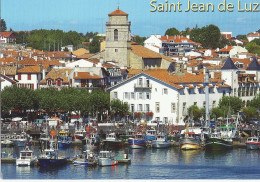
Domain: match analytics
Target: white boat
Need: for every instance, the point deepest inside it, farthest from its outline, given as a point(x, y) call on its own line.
point(106, 158)
point(79, 134)
point(26, 158)
point(21, 139)
point(252, 143)
point(112, 140)
point(88, 158)
point(161, 142)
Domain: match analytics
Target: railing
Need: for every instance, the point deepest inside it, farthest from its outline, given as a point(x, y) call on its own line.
point(149, 86)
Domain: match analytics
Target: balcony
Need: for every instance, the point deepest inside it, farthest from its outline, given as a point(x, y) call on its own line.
point(143, 86)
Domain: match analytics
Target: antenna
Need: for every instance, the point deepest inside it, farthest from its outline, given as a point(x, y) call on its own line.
point(117, 4)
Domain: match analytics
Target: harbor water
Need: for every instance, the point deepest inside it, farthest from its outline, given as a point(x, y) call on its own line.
point(169, 163)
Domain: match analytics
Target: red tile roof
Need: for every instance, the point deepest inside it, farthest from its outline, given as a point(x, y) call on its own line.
point(226, 49)
point(118, 12)
point(29, 69)
point(6, 34)
point(57, 73)
point(176, 39)
point(256, 34)
point(86, 75)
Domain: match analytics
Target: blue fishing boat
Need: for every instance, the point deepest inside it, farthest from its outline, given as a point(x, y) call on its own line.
point(87, 158)
point(137, 142)
point(150, 135)
point(50, 157)
point(64, 140)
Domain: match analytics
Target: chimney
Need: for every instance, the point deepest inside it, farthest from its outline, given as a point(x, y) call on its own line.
point(101, 60)
point(91, 73)
point(174, 36)
point(167, 36)
point(67, 73)
point(43, 74)
point(35, 58)
point(30, 55)
point(76, 74)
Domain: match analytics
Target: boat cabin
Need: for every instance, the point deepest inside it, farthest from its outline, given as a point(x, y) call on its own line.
point(151, 132)
point(105, 154)
point(111, 137)
point(26, 154)
point(252, 139)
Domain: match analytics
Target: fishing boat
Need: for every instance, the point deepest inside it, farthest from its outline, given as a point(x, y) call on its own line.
point(216, 141)
point(5, 141)
point(106, 158)
point(150, 135)
point(252, 143)
point(26, 158)
point(221, 139)
point(88, 158)
point(161, 141)
point(79, 134)
point(50, 157)
point(21, 140)
point(64, 140)
point(190, 139)
point(137, 142)
point(112, 140)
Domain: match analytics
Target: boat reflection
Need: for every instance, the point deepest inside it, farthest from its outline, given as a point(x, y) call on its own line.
point(24, 171)
point(189, 155)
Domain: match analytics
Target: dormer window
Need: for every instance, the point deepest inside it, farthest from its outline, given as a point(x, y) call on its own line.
point(171, 40)
point(184, 41)
point(49, 82)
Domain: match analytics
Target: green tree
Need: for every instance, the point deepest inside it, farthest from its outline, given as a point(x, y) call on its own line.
point(195, 112)
point(140, 40)
point(250, 112)
point(242, 37)
point(257, 41)
point(95, 45)
point(216, 113)
point(3, 26)
point(234, 102)
point(119, 107)
point(252, 47)
point(172, 31)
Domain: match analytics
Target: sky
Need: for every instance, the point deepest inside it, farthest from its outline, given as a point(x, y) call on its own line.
point(91, 15)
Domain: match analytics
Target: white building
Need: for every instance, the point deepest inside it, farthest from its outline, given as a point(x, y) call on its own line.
point(252, 36)
point(6, 81)
point(29, 77)
point(7, 37)
point(166, 95)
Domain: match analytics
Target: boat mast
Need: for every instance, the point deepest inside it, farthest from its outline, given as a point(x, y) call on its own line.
point(207, 124)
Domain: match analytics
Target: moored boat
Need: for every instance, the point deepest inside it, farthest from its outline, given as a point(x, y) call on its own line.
point(218, 142)
point(252, 143)
point(26, 158)
point(106, 158)
point(137, 142)
point(64, 140)
point(190, 139)
point(50, 157)
point(112, 140)
point(150, 135)
point(161, 141)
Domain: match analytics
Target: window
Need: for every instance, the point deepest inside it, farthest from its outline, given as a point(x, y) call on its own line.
point(29, 76)
point(173, 108)
point(115, 95)
point(116, 50)
point(140, 95)
point(115, 35)
point(157, 107)
point(184, 107)
point(214, 103)
point(165, 120)
point(140, 81)
point(147, 82)
point(132, 95)
point(147, 107)
point(165, 91)
point(204, 104)
point(132, 107)
point(195, 103)
point(148, 95)
point(49, 81)
point(126, 95)
point(140, 107)
point(157, 118)
point(58, 82)
point(19, 76)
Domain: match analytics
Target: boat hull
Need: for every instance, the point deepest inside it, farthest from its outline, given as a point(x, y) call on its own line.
point(106, 162)
point(64, 145)
point(51, 162)
point(252, 146)
point(25, 162)
point(150, 137)
point(80, 163)
point(160, 144)
point(218, 144)
point(189, 144)
point(20, 143)
point(137, 143)
point(113, 143)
